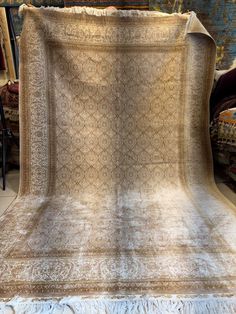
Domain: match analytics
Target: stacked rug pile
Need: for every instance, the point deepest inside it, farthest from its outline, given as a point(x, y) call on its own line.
point(9, 94)
point(223, 122)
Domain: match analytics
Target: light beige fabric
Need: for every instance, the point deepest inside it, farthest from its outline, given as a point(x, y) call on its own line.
point(117, 197)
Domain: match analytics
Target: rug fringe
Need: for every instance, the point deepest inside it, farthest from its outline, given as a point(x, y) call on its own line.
point(159, 305)
point(102, 12)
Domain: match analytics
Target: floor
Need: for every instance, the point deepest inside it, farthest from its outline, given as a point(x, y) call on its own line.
point(7, 196)
point(226, 185)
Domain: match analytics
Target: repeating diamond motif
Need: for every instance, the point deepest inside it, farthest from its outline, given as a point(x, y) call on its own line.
point(112, 119)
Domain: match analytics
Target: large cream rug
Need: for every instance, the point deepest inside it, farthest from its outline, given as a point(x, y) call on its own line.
point(117, 210)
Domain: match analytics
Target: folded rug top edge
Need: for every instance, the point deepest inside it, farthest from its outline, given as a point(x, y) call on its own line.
point(105, 12)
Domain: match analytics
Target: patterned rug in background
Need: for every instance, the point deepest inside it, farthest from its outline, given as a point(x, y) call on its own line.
point(219, 17)
point(36, 3)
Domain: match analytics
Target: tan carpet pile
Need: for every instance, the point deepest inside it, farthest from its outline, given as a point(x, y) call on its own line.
point(117, 209)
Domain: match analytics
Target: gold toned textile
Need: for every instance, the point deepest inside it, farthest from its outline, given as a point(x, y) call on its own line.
point(116, 196)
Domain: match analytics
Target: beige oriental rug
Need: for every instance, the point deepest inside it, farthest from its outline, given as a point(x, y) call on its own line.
point(117, 211)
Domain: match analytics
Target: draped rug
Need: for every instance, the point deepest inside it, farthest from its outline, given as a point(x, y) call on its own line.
point(117, 210)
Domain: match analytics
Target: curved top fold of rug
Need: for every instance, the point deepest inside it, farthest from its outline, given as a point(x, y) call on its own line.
point(117, 211)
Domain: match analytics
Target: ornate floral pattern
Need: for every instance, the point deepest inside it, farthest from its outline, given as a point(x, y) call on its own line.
point(116, 194)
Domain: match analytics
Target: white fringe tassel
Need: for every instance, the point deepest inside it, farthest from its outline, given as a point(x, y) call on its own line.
point(102, 12)
point(159, 305)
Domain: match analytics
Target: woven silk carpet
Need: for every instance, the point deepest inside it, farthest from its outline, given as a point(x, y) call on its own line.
point(117, 210)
